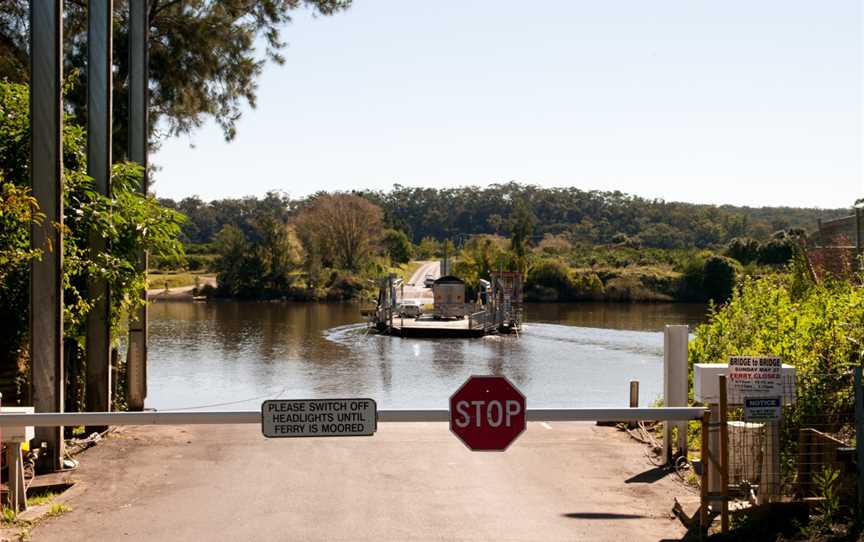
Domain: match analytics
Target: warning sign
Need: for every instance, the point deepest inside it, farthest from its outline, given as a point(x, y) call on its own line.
point(755, 376)
point(319, 418)
point(762, 409)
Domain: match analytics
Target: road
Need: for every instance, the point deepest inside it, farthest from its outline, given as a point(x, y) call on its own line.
point(410, 482)
point(416, 289)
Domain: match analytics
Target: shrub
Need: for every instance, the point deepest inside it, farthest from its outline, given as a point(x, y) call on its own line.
point(743, 249)
point(718, 278)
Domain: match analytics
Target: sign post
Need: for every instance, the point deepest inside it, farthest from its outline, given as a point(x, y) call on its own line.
point(487, 413)
point(319, 418)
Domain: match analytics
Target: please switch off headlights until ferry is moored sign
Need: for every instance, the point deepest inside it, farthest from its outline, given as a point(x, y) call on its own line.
point(319, 418)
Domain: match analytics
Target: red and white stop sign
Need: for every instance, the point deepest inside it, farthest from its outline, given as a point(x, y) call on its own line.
point(487, 413)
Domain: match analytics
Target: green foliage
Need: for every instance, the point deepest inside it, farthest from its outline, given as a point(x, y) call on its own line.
point(719, 276)
point(588, 218)
point(127, 221)
point(818, 328)
point(429, 248)
point(398, 246)
point(8, 516)
point(204, 56)
point(826, 482)
point(743, 249)
point(777, 251)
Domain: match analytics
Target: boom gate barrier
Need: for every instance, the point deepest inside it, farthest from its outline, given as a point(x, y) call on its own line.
point(670, 414)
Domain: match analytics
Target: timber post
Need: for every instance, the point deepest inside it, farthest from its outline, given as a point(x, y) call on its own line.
point(136, 369)
point(46, 273)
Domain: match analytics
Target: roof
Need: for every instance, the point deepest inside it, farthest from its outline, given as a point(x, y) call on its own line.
point(449, 279)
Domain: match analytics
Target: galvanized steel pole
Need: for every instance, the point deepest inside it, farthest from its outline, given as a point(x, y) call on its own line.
point(136, 369)
point(46, 273)
point(99, 125)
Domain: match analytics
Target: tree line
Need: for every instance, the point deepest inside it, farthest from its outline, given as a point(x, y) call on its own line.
point(590, 217)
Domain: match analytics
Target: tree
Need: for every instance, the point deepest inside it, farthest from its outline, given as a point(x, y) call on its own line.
point(743, 249)
point(344, 227)
point(719, 277)
point(522, 222)
point(398, 246)
point(203, 61)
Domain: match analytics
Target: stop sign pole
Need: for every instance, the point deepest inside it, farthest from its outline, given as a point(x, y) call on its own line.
point(487, 413)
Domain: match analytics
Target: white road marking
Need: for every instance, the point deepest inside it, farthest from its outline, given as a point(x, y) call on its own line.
point(546, 425)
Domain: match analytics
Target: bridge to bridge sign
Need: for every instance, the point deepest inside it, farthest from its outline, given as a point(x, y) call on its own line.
point(487, 413)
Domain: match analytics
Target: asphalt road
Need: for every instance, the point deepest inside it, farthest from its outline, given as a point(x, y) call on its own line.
point(410, 482)
point(415, 288)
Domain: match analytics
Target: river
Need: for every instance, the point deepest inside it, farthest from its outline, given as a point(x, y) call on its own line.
point(233, 355)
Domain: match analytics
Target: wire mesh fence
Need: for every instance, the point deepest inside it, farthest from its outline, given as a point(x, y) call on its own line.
point(796, 457)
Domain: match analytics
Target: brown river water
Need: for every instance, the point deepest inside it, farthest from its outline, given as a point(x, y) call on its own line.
point(234, 355)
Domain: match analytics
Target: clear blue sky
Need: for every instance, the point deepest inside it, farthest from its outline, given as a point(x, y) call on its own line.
point(741, 101)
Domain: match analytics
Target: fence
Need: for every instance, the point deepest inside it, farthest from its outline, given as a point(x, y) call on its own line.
point(802, 457)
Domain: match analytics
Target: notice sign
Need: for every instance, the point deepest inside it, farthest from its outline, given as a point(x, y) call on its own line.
point(319, 417)
point(755, 376)
point(762, 409)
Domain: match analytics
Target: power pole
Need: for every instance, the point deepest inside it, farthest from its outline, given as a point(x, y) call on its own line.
point(99, 128)
point(136, 374)
point(46, 175)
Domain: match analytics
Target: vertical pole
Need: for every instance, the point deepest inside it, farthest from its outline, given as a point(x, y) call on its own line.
point(859, 438)
point(46, 273)
point(675, 382)
point(714, 478)
point(634, 398)
point(98, 396)
point(724, 457)
point(703, 486)
point(136, 374)
point(859, 233)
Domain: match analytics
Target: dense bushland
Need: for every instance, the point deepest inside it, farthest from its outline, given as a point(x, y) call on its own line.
point(129, 223)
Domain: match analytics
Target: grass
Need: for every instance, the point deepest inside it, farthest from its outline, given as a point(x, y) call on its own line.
point(163, 279)
point(58, 509)
point(41, 499)
point(8, 516)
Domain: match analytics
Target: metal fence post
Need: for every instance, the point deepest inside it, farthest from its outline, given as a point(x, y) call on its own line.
point(859, 438)
point(724, 457)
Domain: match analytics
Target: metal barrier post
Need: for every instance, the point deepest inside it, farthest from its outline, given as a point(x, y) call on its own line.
point(703, 484)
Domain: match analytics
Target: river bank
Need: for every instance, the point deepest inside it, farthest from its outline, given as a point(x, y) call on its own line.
point(565, 481)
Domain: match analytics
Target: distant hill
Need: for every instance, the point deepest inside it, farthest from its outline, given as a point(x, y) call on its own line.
point(596, 217)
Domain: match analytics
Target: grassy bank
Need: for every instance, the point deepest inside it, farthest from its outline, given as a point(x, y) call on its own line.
point(176, 279)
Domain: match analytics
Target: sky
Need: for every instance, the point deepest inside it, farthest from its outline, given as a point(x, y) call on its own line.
point(741, 102)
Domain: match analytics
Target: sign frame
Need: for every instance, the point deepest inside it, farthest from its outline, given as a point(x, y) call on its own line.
point(366, 432)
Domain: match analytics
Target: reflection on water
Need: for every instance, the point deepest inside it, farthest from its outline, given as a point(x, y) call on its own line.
point(234, 355)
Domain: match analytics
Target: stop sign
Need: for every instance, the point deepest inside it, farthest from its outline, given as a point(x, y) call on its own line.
point(487, 413)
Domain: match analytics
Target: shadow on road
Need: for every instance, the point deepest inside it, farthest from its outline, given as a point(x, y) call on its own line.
point(600, 515)
point(649, 476)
